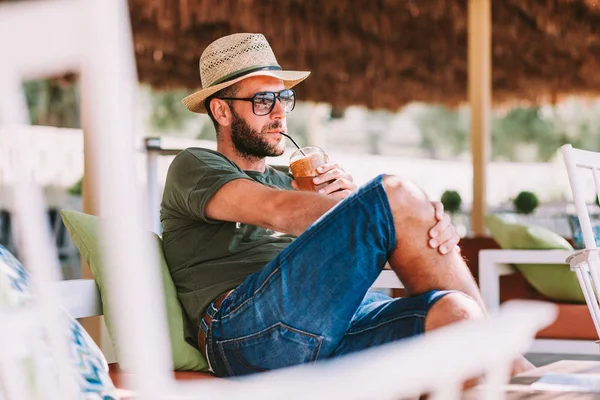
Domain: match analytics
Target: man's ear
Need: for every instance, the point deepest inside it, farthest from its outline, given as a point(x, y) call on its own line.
point(220, 111)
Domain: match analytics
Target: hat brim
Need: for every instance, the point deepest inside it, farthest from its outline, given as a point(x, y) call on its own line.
point(195, 101)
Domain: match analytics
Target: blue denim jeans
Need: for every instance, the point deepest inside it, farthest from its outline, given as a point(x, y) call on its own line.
point(312, 301)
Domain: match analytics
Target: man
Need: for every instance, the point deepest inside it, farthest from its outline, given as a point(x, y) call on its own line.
point(272, 277)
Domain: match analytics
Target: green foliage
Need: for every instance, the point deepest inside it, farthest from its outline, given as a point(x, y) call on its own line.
point(519, 126)
point(531, 133)
point(168, 114)
point(207, 132)
point(77, 188)
point(526, 127)
point(377, 126)
point(451, 200)
point(445, 132)
point(53, 103)
point(525, 203)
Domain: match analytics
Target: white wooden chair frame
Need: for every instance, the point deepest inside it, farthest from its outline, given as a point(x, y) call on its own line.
point(585, 262)
point(82, 299)
point(494, 264)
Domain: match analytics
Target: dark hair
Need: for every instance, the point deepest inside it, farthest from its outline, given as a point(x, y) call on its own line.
point(229, 91)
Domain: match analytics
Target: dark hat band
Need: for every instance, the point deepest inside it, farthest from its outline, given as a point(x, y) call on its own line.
point(246, 71)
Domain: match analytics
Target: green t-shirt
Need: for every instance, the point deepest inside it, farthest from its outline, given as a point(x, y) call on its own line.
point(207, 257)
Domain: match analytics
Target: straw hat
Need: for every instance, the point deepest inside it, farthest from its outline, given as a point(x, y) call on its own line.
point(235, 57)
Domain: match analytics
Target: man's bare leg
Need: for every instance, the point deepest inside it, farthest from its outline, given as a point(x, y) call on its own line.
point(422, 268)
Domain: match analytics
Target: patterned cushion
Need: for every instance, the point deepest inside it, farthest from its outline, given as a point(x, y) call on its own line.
point(14, 281)
point(87, 360)
point(578, 235)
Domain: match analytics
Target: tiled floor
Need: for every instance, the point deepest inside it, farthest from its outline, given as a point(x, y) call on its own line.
point(539, 359)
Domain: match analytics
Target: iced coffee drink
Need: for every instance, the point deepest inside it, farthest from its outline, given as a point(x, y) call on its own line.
point(303, 165)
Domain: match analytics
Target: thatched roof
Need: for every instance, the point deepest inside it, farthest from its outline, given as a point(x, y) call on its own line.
point(385, 53)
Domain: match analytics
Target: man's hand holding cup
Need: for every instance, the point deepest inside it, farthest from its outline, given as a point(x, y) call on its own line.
point(340, 184)
point(312, 171)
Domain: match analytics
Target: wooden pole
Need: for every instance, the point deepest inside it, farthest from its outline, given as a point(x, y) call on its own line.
point(480, 89)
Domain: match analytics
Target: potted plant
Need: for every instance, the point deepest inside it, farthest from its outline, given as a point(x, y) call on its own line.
point(452, 201)
point(525, 203)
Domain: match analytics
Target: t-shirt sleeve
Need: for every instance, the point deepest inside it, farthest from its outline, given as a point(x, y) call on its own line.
point(197, 177)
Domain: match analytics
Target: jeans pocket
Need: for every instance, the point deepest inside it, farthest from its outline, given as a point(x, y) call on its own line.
point(278, 346)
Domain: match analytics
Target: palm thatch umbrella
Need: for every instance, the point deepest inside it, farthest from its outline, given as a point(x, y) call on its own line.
point(382, 54)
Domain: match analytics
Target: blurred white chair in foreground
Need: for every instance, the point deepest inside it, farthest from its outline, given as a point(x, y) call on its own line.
point(436, 363)
point(585, 262)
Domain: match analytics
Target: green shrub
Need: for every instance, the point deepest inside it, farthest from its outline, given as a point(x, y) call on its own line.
point(452, 201)
point(525, 203)
point(77, 188)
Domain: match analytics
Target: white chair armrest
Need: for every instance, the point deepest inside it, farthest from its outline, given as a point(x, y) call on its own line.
point(494, 263)
point(80, 297)
point(387, 280)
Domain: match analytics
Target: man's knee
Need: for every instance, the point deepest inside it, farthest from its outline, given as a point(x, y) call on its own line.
point(453, 307)
point(405, 197)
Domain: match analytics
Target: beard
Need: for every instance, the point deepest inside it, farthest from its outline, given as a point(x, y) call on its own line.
point(252, 144)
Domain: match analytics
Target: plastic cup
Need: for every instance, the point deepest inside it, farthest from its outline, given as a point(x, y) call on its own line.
point(303, 166)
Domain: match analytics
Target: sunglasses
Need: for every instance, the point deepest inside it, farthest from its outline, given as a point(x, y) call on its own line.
point(264, 102)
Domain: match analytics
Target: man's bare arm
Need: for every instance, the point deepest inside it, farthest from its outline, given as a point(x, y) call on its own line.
point(284, 211)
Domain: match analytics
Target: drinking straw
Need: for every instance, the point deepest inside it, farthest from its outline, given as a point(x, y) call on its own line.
point(295, 144)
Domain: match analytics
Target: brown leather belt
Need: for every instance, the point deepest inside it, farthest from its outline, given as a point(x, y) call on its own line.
point(208, 319)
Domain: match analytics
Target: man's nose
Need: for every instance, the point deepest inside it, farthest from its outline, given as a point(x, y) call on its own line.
point(278, 110)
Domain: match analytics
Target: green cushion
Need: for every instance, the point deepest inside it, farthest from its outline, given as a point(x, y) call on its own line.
point(84, 230)
point(555, 281)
